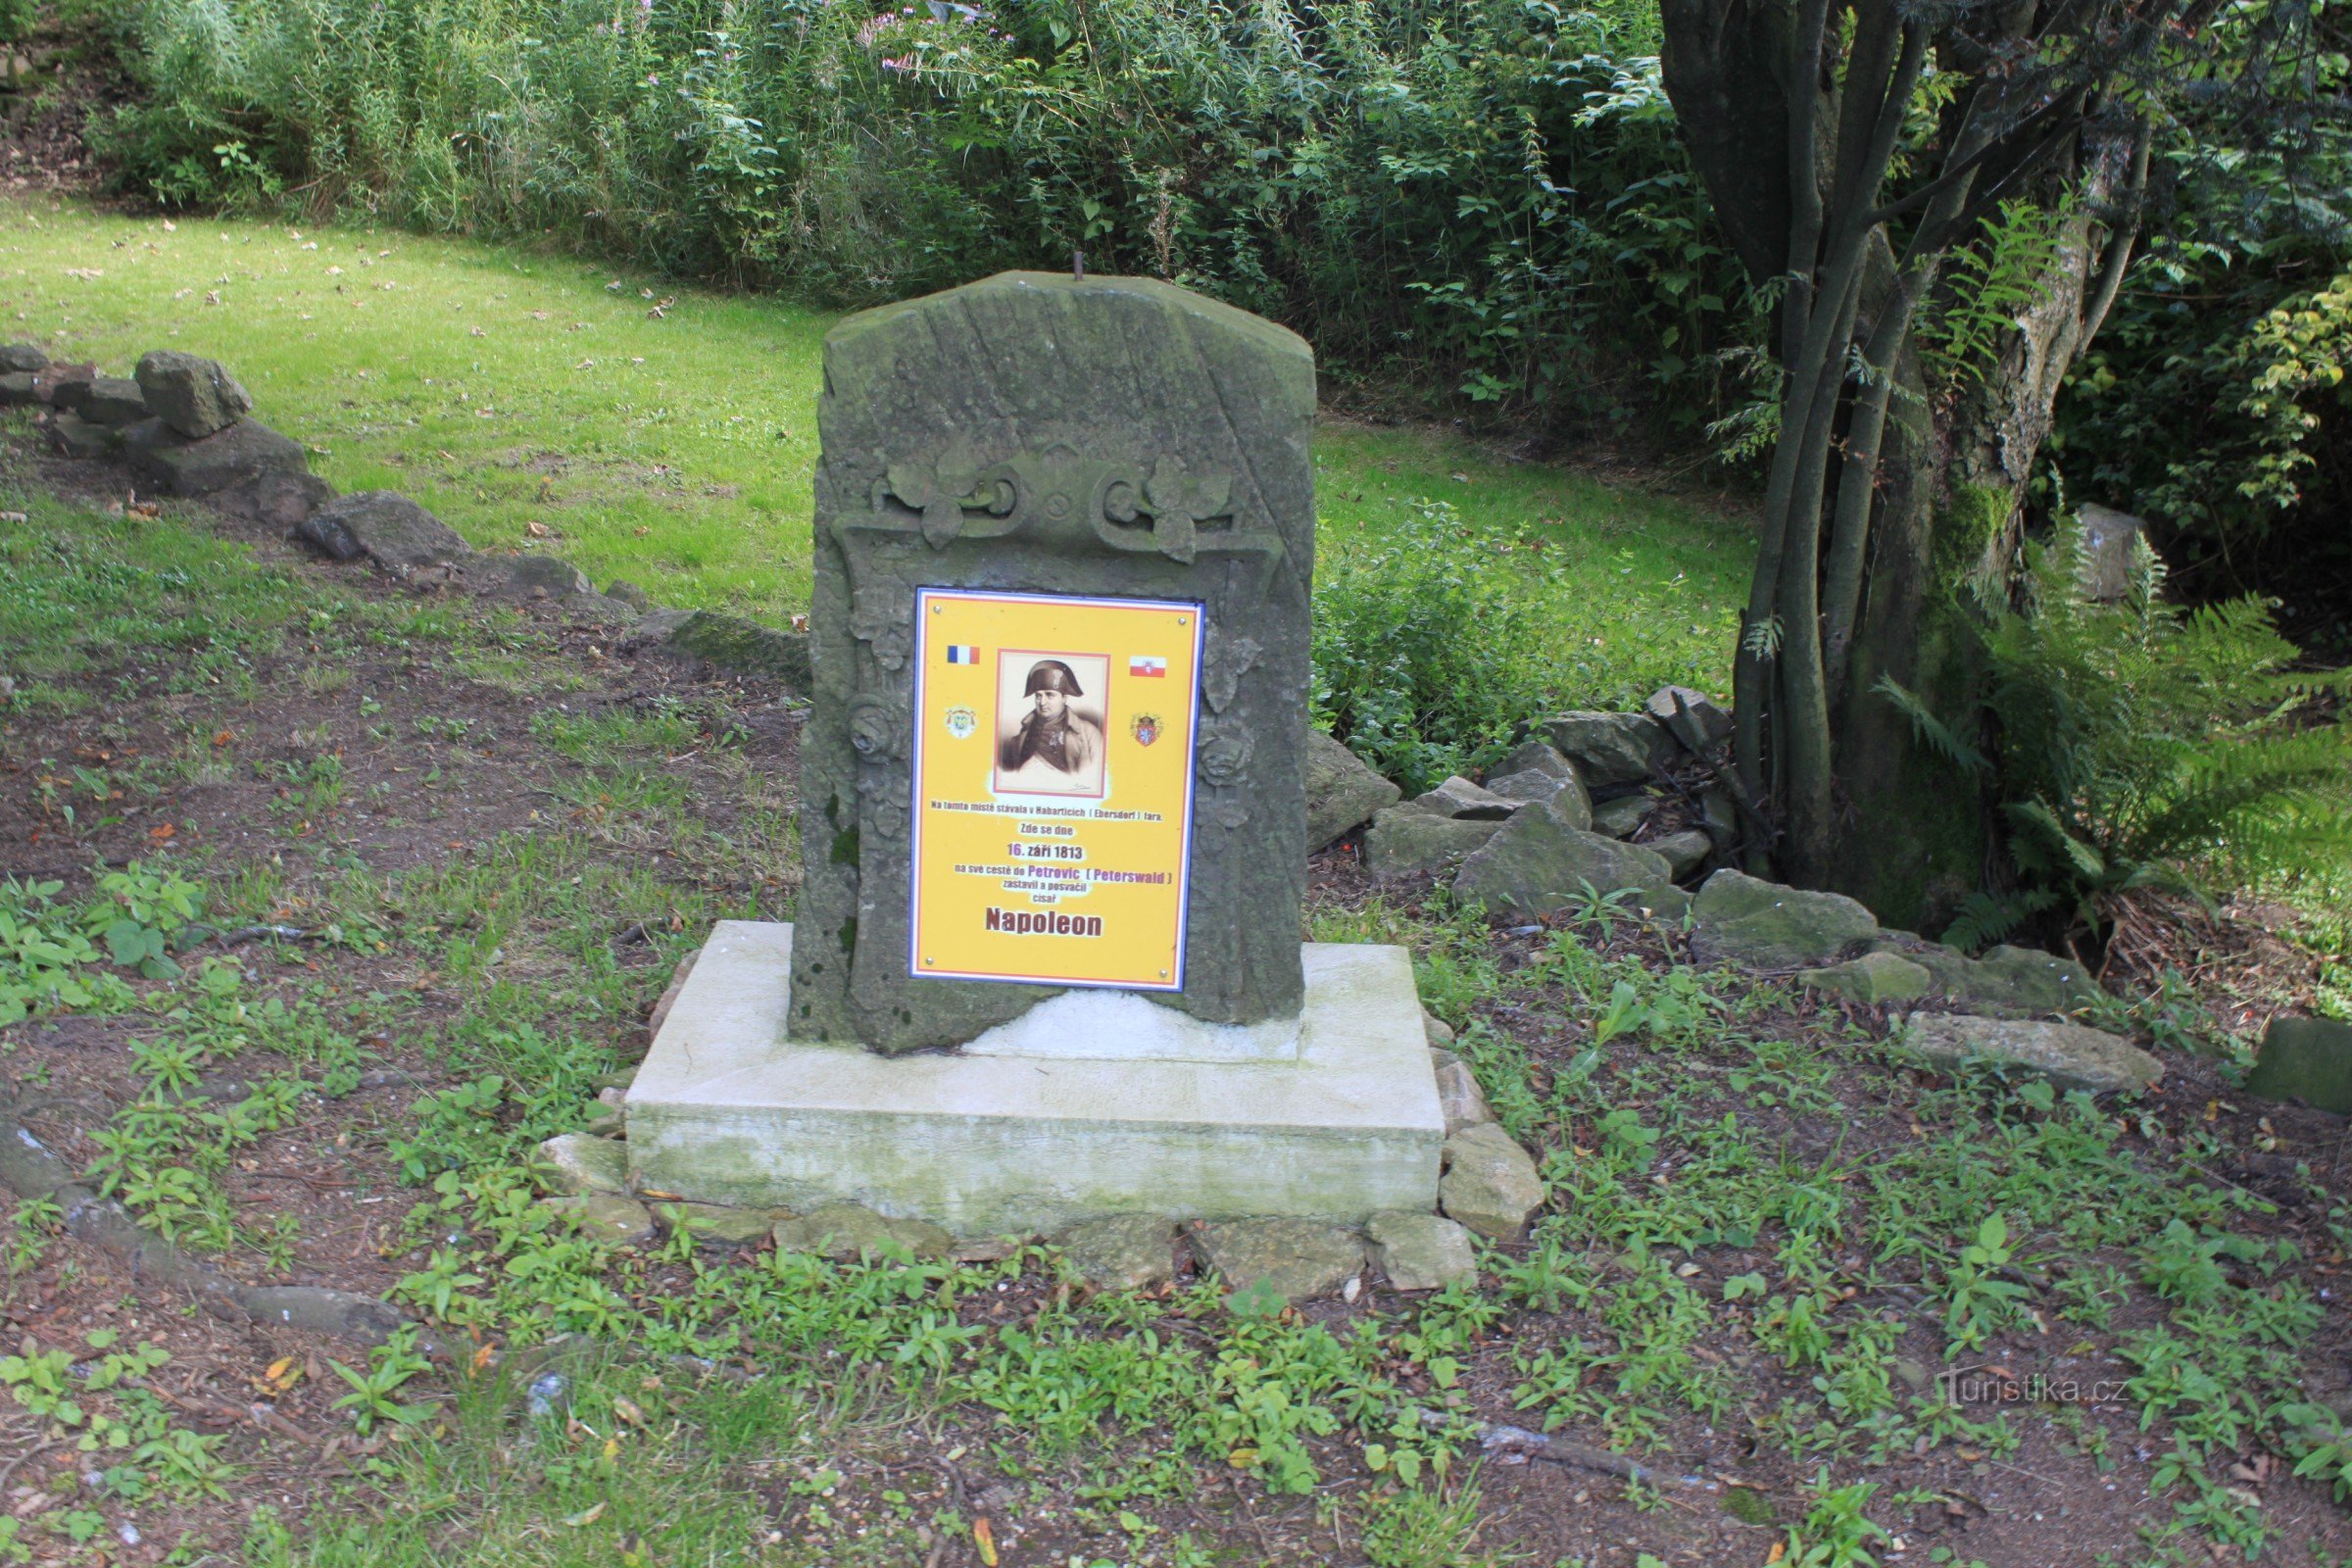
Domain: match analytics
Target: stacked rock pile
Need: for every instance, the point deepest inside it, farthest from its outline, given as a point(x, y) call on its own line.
point(183, 426)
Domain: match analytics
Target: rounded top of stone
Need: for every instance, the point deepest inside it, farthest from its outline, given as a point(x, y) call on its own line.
point(1091, 292)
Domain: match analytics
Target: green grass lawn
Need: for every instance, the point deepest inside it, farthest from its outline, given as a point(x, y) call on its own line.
point(503, 389)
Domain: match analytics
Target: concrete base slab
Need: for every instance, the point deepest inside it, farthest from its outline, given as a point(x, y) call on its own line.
point(1341, 1126)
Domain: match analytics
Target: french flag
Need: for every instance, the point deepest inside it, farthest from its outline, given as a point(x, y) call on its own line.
point(1144, 665)
point(962, 654)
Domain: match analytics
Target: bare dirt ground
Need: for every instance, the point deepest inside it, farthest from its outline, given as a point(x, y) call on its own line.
point(446, 769)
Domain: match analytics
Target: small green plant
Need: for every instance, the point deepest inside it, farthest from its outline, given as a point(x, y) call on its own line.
point(1978, 1301)
point(138, 911)
point(391, 1366)
point(1836, 1532)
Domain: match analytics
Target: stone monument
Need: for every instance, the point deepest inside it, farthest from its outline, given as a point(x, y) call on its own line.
point(1048, 961)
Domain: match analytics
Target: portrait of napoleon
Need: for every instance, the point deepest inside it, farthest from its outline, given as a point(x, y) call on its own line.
point(1050, 722)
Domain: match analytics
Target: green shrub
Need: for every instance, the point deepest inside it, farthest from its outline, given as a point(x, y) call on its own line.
point(1485, 194)
point(1431, 649)
point(2140, 743)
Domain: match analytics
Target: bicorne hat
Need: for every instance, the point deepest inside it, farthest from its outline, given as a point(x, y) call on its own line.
point(1052, 675)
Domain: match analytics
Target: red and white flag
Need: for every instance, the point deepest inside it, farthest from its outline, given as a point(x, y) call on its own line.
point(1145, 664)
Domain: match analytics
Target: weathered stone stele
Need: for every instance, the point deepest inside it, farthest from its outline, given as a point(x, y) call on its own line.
point(1038, 433)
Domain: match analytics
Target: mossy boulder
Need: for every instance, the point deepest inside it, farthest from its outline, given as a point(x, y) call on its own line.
point(1490, 1183)
point(2066, 1054)
point(578, 1163)
point(1609, 749)
point(383, 525)
point(1297, 1260)
point(1764, 925)
point(1342, 793)
point(164, 461)
point(191, 394)
point(1538, 866)
point(2308, 1060)
point(1421, 1251)
point(1124, 1252)
point(849, 1231)
point(720, 1225)
point(730, 643)
point(1410, 841)
point(605, 1218)
point(1458, 797)
point(1874, 978)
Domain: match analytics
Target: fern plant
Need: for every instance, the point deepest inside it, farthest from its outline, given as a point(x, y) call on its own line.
point(2141, 743)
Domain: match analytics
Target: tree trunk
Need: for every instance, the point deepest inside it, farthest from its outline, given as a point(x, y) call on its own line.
point(1916, 835)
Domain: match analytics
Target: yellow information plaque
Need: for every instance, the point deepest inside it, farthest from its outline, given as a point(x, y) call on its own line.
point(1053, 786)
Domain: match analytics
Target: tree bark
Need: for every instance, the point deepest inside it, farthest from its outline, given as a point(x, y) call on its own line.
point(1914, 839)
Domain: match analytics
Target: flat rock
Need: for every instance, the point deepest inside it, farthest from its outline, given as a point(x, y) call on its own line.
point(2066, 1054)
point(1684, 852)
point(848, 1231)
point(164, 461)
point(720, 1225)
point(1872, 979)
point(1536, 865)
point(604, 1217)
point(1342, 791)
point(1407, 841)
point(1622, 817)
point(1439, 1031)
point(1463, 1102)
point(1490, 1183)
point(1125, 1253)
point(1563, 792)
point(730, 643)
point(385, 526)
point(2028, 979)
point(1297, 1258)
point(1421, 1251)
point(76, 437)
point(18, 387)
point(524, 577)
point(283, 499)
point(2308, 1060)
point(63, 386)
point(1698, 724)
point(1536, 756)
point(114, 399)
point(1458, 796)
point(623, 591)
point(1741, 919)
point(585, 1164)
point(1609, 749)
point(22, 359)
point(191, 394)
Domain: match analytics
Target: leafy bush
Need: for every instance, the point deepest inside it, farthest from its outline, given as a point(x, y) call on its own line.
point(2213, 402)
point(1486, 193)
point(2141, 742)
point(1430, 648)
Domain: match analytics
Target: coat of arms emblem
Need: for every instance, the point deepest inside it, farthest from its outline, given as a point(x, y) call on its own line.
point(1146, 728)
point(961, 721)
